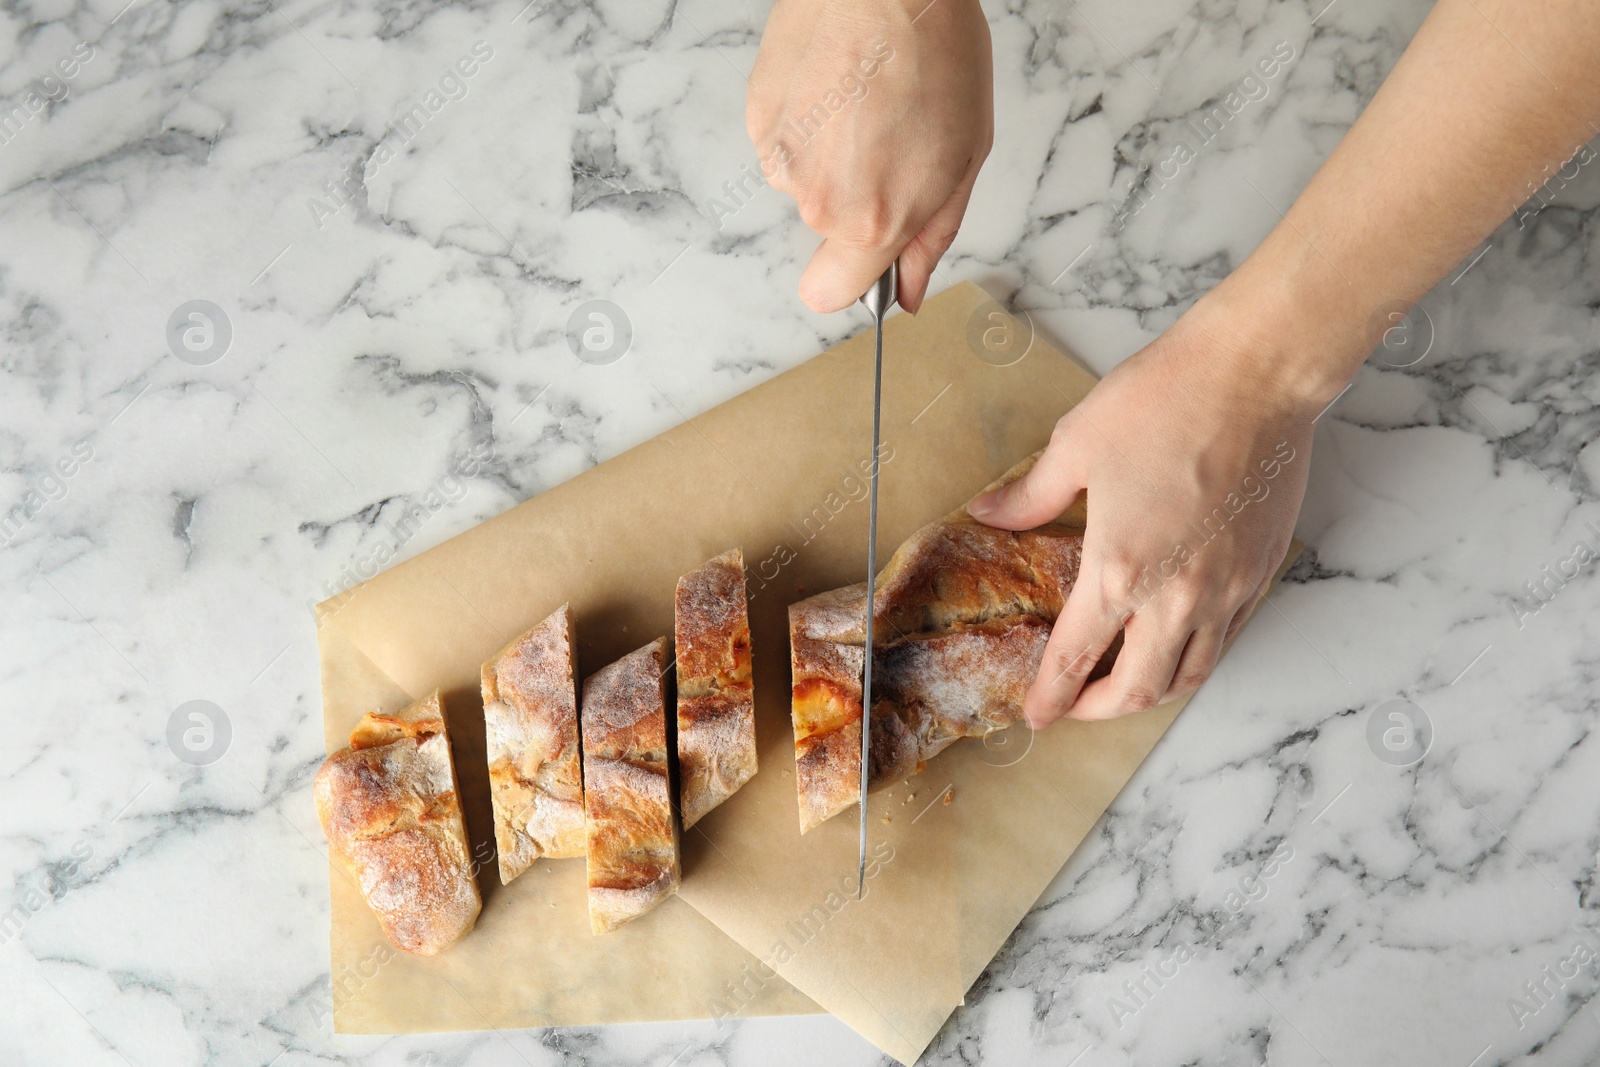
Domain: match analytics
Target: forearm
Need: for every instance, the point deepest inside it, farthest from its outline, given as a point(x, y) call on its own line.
point(1490, 99)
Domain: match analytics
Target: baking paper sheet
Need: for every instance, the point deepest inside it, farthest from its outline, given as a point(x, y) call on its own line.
point(766, 921)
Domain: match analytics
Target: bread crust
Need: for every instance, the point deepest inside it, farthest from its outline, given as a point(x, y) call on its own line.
point(962, 613)
point(632, 836)
point(530, 716)
point(392, 813)
point(716, 703)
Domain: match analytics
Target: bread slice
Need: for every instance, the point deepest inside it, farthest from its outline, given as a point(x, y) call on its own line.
point(392, 813)
point(716, 703)
point(963, 611)
point(530, 718)
point(627, 797)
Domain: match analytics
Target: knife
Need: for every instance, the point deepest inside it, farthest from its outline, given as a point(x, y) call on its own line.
point(878, 300)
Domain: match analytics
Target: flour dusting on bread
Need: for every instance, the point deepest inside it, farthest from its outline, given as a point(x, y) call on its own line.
point(632, 836)
point(392, 813)
point(530, 718)
point(716, 700)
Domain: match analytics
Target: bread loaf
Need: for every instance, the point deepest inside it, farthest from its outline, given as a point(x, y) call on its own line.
point(632, 837)
point(716, 705)
point(392, 813)
point(530, 718)
point(962, 613)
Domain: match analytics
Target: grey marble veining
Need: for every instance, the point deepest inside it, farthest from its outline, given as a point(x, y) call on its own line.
point(396, 247)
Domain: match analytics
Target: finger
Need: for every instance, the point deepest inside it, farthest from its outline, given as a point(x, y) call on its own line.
point(919, 258)
point(773, 69)
point(1199, 659)
point(775, 168)
point(759, 109)
point(1083, 631)
point(840, 272)
point(1142, 674)
point(1042, 494)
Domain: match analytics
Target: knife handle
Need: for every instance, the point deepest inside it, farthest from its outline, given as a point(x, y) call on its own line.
point(881, 297)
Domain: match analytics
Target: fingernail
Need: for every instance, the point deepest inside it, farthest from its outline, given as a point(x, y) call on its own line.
point(983, 504)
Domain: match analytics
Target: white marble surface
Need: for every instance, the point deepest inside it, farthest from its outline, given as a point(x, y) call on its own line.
point(173, 914)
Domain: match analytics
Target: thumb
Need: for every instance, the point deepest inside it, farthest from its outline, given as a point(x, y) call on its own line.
point(1042, 494)
point(840, 272)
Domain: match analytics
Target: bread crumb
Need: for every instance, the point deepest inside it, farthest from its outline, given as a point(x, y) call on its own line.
point(886, 819)
point(949, 794)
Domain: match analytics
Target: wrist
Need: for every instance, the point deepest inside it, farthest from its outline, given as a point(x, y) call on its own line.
point(1296, 328)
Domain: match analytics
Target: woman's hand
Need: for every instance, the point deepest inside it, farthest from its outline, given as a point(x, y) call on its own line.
point(1195, 464)
point(875, 115)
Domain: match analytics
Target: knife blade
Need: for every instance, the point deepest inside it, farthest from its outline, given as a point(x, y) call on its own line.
point(878, 300)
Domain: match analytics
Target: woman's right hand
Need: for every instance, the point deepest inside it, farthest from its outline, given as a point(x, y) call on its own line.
point(875, 115)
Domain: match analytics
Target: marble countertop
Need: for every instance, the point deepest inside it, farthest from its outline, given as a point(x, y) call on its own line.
point(1371, 838)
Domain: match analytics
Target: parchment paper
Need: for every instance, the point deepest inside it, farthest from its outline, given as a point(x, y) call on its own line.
point(766, 921)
